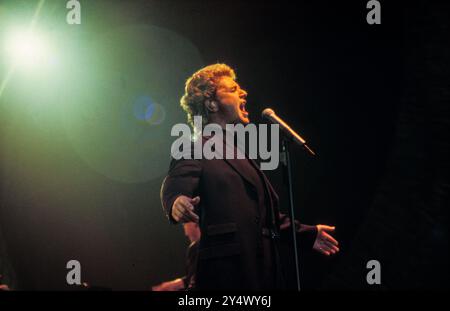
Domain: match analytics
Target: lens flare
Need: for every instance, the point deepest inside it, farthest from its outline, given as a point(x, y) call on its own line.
point(27, 49)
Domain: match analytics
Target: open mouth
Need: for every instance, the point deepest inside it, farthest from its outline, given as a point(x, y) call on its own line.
point(242, 108)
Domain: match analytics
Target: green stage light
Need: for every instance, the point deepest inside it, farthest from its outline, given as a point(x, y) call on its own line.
point(27, 49)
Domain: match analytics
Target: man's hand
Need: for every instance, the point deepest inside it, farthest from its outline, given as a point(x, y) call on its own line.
point(183, 209)
point(324, 242)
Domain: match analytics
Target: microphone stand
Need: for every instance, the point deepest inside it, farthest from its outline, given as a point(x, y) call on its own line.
point(286, 160)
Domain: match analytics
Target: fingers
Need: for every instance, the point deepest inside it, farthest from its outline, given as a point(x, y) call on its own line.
point(192, 217)
point(330, 247)
point(324, 251)
point(329, 238)
point(326, 244)
point(183, 210)
point(195, 200)
point(327, 250)
point(181, 214)
point(188, 210)
point(186, 205)
point(336, 249)
point(327, 228)
point(186, 214)
point(329, 242)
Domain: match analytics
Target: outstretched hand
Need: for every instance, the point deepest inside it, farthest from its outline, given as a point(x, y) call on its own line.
point(324, 242)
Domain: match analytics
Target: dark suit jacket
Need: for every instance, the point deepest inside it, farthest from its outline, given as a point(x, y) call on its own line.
point(233, 253)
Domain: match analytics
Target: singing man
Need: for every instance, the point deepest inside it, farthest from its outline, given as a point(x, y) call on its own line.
point(232, 200)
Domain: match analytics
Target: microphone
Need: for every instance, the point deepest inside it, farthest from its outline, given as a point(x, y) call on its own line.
point(272, 117)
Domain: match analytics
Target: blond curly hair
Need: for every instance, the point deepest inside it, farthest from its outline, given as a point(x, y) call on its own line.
point(200, 87)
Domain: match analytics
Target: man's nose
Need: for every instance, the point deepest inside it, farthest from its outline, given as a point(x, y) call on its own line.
point(243, 94)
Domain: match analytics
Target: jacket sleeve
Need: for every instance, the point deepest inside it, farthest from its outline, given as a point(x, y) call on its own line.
point(183, 179)
point(306, 239)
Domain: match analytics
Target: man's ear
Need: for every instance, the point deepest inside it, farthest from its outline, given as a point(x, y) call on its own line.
point(212, 105)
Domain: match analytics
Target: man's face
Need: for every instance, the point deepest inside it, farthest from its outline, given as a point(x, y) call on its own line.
point(232, 101)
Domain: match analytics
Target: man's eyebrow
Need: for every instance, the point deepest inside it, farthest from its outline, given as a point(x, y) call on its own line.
point(229, 86)
point(234, 84)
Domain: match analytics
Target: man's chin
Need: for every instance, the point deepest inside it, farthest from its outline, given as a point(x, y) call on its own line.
point(244, 120)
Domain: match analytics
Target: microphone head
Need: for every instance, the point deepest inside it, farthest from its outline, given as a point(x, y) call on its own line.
point(267, 113)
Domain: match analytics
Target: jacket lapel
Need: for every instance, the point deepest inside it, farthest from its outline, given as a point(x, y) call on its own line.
point(241, 168)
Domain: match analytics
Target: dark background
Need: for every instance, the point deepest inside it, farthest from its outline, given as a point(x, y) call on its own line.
point(372, 100)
